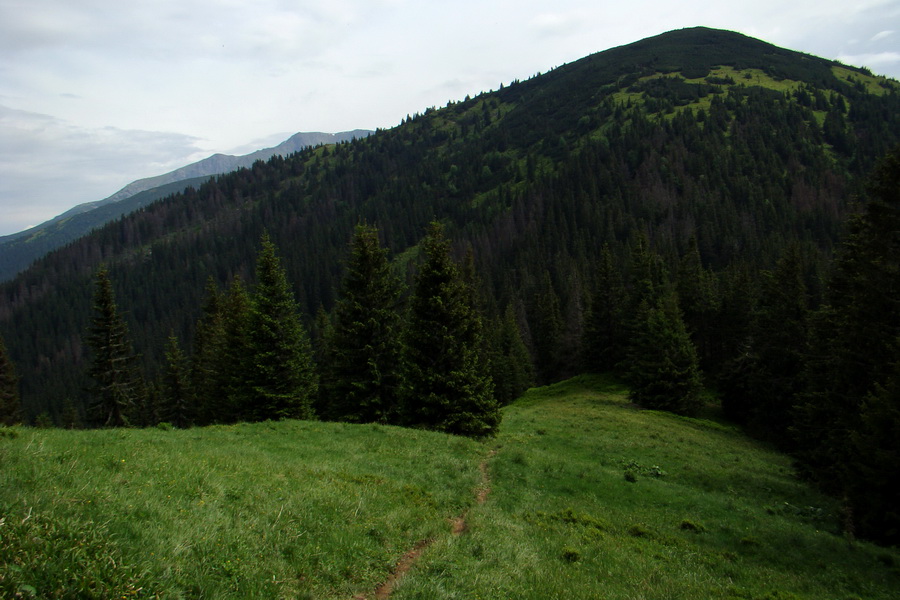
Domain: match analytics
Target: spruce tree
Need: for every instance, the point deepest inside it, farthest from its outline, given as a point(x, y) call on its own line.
point(233, 368)
point(322, 337)
point(573, 320)
point(872, 490)
point(645, 276)
point(174, 405)
point(71, 419)
point(850, 404)
point(605, 328)
point(760, 388)
point(738, 292)
point(698, 298)
point(511, 367)
point(283, 380)
point(664, 370)
point(547, 331)
point(115, 391)
point(10, 403)
point(205, 382)
point(361, 383)
point(146, 413)
point(661, 366)
point(447, 384)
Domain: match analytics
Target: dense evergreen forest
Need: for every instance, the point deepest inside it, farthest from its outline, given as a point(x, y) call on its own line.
point(676, 210)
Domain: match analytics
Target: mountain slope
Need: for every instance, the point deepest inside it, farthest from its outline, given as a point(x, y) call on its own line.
point(696, 133)
point(19, 250)
point(582, 496)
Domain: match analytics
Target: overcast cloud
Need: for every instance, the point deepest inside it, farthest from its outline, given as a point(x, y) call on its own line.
point(97, 93)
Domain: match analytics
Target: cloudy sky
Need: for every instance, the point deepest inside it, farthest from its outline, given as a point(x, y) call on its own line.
point(97, 93)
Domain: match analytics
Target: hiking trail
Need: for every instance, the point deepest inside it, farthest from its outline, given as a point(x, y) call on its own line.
point(458, 526)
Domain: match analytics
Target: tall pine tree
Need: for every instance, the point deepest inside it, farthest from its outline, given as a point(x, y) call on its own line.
point(447, 384)
point(511, 367)
point(760, 387)
point(698, 298)
point(547, 331)
point(174, 407)
point(605, 328)
point(115, 395)
point(233, 369)
point(283, 381)
point(872, 490)
point(205, 384)
point(850, 404)
point(664, 371)
point(361, 374)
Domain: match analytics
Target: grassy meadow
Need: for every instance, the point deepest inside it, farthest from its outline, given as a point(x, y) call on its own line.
point(589, 497)
point(270, 510)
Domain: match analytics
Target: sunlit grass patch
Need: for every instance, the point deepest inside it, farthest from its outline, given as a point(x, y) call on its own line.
point(873, 84)
point(268, 510)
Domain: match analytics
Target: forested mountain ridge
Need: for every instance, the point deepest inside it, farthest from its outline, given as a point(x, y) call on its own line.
point(696, 134)
point(19, 250)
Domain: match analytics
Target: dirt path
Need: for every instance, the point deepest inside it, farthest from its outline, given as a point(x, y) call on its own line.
point(458, 526)
point(383, 591)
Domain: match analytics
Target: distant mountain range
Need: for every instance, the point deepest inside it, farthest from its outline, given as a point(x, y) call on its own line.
point(19, 250)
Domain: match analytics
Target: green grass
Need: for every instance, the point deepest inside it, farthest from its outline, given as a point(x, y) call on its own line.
point(589, 498)
point(873, 84)
point(742, 77)
point(593, 498)
point(757, 77)
point(270, 510)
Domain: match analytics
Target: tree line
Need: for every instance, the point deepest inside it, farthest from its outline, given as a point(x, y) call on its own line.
point(805, 360)
point(253, 359)
point(841, 411)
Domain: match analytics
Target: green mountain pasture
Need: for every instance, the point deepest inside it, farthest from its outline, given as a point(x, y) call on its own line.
point(581, 495)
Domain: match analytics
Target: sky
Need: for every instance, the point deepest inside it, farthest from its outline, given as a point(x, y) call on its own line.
point(95, 94)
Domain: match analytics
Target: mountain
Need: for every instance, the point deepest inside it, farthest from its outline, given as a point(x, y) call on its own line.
point(696, 138)
point(224, 163)
point(19, 250)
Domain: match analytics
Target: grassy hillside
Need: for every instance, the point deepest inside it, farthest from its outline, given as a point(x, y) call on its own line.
point(587, 497)
point(270, 510)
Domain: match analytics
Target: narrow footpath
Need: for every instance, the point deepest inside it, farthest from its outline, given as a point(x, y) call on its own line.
point(458, 526)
